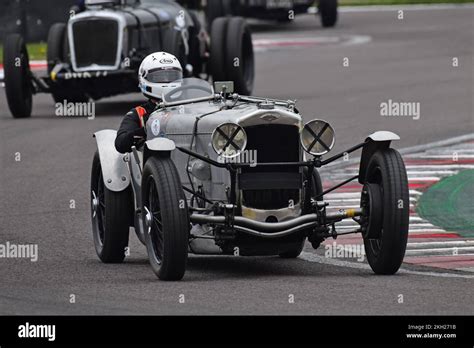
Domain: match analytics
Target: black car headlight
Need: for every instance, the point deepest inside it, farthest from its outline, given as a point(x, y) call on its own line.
point(229, 140)
point(317, 137)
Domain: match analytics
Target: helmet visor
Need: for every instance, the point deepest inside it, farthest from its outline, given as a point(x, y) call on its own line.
point(164, 75)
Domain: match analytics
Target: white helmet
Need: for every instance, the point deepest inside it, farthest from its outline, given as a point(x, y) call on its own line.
point(156, 74)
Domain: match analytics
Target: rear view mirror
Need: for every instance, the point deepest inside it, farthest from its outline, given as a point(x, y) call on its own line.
point(224, 87)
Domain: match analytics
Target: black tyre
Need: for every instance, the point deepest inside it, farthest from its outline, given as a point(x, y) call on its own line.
point(57, 53)
point(220, 8)
point(167, 222)
point(18, 86)
point(386, 184)
point(316, 188)
point(240, 62)
point(111, 212)
point(218, 47)
point(55, 48)
point(328, 12)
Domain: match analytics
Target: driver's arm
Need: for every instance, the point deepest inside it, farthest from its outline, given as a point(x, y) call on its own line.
point(129, 130)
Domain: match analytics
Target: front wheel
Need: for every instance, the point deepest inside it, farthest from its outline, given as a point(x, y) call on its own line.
point(167, 221)
point(386, 209)
point(328, 12)
point(110, 213)
point(18, 86)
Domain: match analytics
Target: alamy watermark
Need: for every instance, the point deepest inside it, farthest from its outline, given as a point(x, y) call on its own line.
point(346, 251)
point(401, 109)
point(247, 156)
point(70, 109)
point(19, 251)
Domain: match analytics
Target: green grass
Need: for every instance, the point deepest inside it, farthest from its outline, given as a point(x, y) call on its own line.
point(399, 2)
point(36, 51)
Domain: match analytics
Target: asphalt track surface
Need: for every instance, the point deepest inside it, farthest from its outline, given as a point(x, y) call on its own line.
point(405, 60)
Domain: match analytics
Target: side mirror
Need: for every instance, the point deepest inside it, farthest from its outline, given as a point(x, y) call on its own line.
point(224, 87)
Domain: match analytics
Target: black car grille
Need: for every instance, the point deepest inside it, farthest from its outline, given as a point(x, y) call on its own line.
point(95, 42)
point(272, 187)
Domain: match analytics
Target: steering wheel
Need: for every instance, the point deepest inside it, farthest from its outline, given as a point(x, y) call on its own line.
point(183, 88)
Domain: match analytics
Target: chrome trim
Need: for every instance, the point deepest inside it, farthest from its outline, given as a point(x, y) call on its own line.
point(101, 14)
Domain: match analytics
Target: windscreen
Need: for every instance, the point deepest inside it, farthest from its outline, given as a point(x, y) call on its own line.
point(189, 88)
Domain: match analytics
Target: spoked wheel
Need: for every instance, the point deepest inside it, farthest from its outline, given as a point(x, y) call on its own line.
point(166, 222)
point(316, 189)
point(18, 86)
point(110, 212)
point(385, 202)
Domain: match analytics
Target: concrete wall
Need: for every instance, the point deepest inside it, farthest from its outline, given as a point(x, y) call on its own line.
point(38, 15)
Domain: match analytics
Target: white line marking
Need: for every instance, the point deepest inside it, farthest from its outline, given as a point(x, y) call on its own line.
point(459, 243)
point(448, 251)
point(310, 257)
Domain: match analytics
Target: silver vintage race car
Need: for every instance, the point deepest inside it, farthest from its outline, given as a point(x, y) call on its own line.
point(221, 173)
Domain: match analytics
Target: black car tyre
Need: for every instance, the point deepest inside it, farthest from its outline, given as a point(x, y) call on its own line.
point(316, 188)
point(18, 86)
point(167, 229)
point(111, 212)
point(386, 248)
point(240, 63)
point(55, 48)
point(220, 8)
point(57, 53)
point(218, 47)
point(328, 12)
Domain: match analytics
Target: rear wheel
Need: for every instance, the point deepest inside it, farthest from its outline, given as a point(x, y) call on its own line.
point(167, 221)
point(111, 213)
point(18, 86)
point(316, 189)
point(385, 202)
point(240, 59)
point(328, 12)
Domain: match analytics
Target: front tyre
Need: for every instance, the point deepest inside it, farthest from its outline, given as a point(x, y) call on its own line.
point(328, 12)
point(110, 213)
point(18, 86)
point(167, 220)
point(385, 201)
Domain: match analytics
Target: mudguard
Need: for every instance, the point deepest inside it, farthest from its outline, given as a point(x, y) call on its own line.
point(375, 141)
point(160, 144)
point(114, 168)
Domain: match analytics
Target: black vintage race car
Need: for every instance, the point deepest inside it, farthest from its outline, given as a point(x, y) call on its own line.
point(98, 52)
point(281, 10)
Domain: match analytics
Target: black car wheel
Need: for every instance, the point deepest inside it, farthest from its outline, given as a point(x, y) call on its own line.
point(18, 86)
point(111, 212)
point(239, 54)
point(316, 189)
point(385, 202)
point(167, 222)
point(328, 12)
point(57, 53)
point(232, 55)
point(220, 8)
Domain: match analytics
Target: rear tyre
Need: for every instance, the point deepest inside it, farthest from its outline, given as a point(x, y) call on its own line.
point(167, 220)
point(240, 62)
point(218, 48)
point(328, 12)
point(317, 189)
point(110, 213)
point(18, 86)
point(386, 243)
point(219, 8)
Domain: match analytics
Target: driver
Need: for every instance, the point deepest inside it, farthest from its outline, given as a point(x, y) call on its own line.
point(155, 76)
